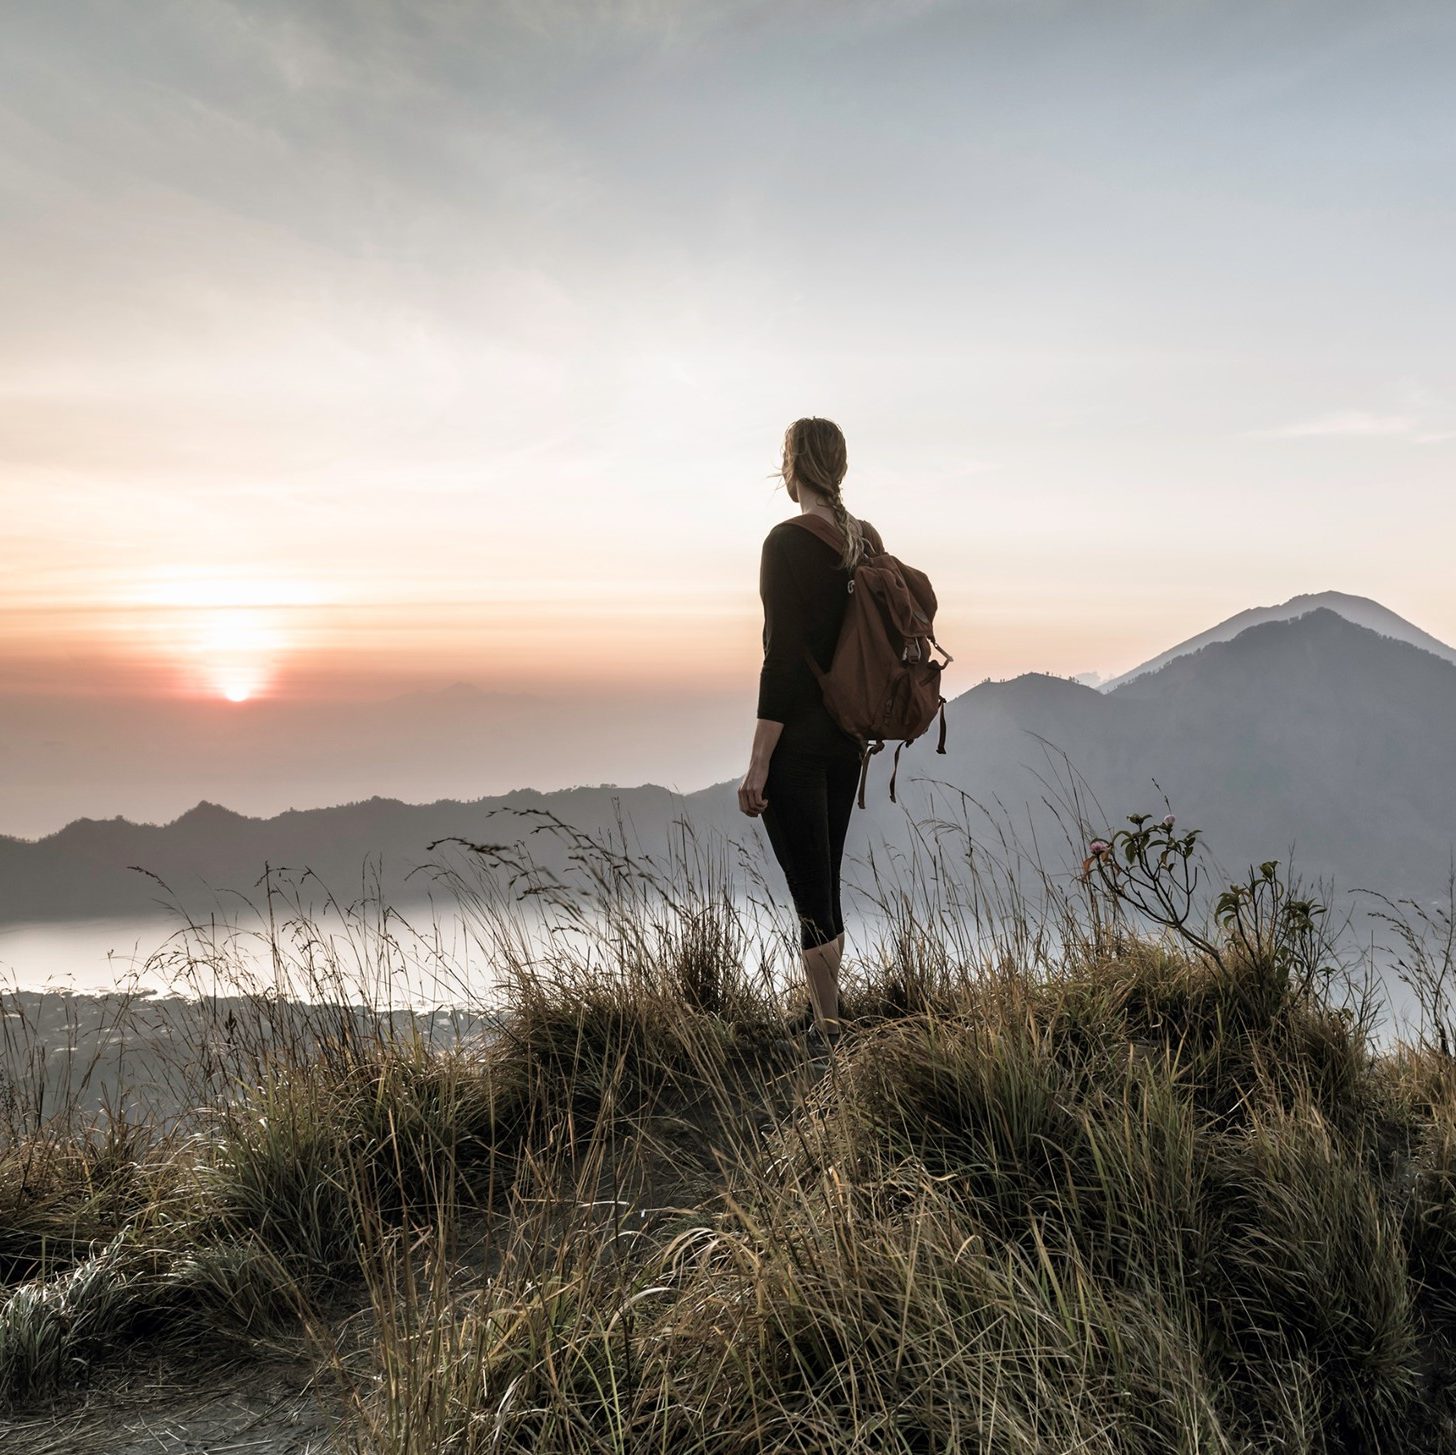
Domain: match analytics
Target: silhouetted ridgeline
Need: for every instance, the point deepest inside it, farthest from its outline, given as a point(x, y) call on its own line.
point(1315, 733)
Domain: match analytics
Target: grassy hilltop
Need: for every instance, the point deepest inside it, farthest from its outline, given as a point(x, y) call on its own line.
point(1068, 1184)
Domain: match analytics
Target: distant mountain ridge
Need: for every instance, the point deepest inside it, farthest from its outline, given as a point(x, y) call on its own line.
point(1357, 609)
point(1306, 732)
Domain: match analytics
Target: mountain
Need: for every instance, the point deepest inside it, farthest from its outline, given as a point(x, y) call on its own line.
point(93, 867)
point(1311, 740)
point(1309, 733)
point(151, 758)
point(1357, 609)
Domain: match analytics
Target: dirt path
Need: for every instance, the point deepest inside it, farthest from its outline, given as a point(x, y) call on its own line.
point(261, 1410)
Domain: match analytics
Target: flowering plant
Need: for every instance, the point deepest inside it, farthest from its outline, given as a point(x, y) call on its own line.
point(1151, 869)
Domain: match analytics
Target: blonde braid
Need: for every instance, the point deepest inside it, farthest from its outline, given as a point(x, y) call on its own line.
point(815, 455)
point(853, 534)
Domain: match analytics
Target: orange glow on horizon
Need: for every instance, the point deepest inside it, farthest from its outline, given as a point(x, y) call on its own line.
point(246, 636)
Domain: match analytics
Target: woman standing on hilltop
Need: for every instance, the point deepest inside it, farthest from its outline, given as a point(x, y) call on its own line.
point(803, 767)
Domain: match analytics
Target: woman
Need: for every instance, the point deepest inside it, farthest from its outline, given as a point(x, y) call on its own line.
point(803, 768)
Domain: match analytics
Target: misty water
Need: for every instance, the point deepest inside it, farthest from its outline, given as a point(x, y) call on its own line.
point(421, 959)
point(160, 955)
point(440, 960)
point(82, 956)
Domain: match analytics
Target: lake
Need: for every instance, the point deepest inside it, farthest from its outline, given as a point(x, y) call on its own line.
point(420, 956)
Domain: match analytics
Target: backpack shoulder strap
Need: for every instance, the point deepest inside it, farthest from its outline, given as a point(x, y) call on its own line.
point(830, 533)
point(818, 526)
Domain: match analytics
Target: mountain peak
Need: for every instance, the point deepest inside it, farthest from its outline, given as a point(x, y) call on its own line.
point(204, 811)
point(1321, 644)
point(1359, 610)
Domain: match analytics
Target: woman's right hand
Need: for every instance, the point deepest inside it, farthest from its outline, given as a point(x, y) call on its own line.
point(751, 798)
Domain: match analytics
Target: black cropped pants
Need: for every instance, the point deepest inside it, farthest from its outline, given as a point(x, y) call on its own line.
point(810, 800)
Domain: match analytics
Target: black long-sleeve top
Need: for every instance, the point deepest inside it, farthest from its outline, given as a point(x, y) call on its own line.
point(805, 591)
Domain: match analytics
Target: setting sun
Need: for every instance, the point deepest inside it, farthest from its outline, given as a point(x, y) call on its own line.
point(237, 649)
point(223, 635)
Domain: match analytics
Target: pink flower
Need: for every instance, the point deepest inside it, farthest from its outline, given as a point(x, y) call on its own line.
point(1168, 822)
point(1098, 846)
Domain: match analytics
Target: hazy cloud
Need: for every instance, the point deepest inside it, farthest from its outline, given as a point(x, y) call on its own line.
point(1358, 422)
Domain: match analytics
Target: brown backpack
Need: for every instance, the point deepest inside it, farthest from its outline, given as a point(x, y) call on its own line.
point(882, 684)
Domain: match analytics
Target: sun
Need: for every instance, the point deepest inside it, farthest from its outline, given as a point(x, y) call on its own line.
point(227, 632)
point(237, 650)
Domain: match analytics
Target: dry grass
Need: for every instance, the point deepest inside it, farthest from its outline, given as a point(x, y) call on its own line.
point(1063, 1187)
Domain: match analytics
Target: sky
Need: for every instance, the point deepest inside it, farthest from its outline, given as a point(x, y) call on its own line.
point(350, 353)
